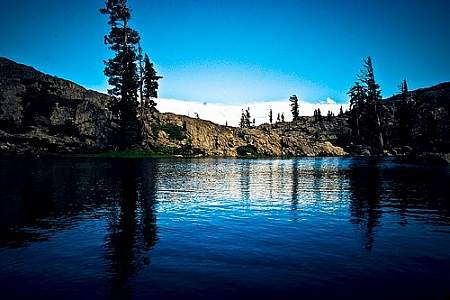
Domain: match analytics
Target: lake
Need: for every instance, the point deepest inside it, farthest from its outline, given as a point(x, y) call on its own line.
point(307, 228)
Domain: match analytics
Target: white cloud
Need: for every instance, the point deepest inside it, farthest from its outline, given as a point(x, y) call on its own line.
point(221, 113)
point(330, 101)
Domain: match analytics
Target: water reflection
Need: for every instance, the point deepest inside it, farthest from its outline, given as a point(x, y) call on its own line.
point(132, 228)
point(295, 187)
point(216, 216)
point(365, 199)
point(47, 195)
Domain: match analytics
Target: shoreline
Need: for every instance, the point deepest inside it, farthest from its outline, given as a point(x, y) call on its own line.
point(431, 159)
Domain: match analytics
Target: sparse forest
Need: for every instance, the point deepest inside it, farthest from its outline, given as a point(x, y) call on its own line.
point(405, 122)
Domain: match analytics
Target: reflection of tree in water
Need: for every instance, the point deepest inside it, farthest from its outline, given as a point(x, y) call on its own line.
point(420, 190)
point(245, 179)
point(414, 193)
point(271, 180)
point(365, 200)
point(294, 199)
point(132, 228)
point(317, 178)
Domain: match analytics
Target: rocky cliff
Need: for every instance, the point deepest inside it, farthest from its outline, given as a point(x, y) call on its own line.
point(41, 113)
point(305, 137)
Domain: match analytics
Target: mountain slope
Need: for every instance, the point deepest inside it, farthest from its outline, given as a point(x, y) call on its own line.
point(43, 113)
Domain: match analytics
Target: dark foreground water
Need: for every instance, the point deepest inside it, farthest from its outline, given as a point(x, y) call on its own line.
point(223, 229)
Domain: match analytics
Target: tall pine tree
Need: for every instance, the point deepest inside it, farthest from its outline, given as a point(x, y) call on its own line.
point(150, 80)
point(121, 70)
point(405, 115)
point(374, 102)
point(294, 107)
point(358, 96)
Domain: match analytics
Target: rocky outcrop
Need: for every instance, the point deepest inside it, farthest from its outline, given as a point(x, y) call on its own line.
point(185, 135)
point(41, 113)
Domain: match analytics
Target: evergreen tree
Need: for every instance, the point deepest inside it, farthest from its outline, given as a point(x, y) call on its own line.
point(405, 115)
point(282, 117)
point(278, 118)
point(341, 111)
point(247, 118)
point(150, 83)
point(330, 115)
point(374, 102)
point(317, 115)
point(242, 122)
point(270, 116)
point(294, 107)
point(357, 104)
point(121, 70)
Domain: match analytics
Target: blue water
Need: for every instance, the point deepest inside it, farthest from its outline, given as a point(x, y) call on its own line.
point(223, 229)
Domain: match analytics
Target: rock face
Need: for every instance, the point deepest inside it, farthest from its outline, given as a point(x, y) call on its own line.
point(183, 134)
point(41, 113)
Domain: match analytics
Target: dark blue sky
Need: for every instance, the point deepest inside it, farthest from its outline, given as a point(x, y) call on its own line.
point(237, 51)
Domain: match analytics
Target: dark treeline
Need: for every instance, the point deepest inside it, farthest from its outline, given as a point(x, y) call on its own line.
point(406, 120)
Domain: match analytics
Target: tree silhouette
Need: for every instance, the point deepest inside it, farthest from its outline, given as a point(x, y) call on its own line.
point(121, 70)
point(405, 115)
point(294, 107)
point(330, 115)
point(365, 109)
point(357, 104)
point(374, 106)
point(150, 83)
point(317, 115)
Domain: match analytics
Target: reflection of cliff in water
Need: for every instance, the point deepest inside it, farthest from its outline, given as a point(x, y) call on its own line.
point(45, 195)
point(132, 228)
